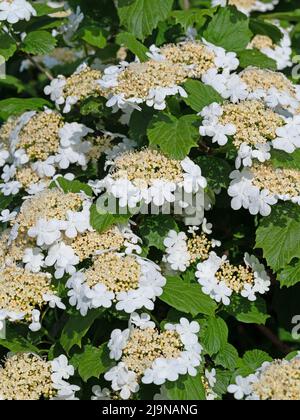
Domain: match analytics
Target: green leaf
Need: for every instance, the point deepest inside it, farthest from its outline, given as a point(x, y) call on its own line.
point(223, 380)
point(139, 123)
point(7, 46)
point(251, 361)
point(76, 328)
point(102, 221)
point(175, 137)
point(5, 201)
point(15, 342)
point(44, 9)
point(282, 159)
point(248, 312)
point(215, 170)
point(15, 106)
point(73, 186)
point(92, 362)
point(227, 357)
point(38, 43)
point(186, 388)
point(200, 95)
point(12, 82)
point(140, 17)
point(215, 335)
point(191, 17)
point(93, 35)
point(279, 235)
point(292, 16)
point(135, 46)
point(187, 298)
point(229, 29)
point(256, 58)
point(260, 27)
point(290, 275)
point(154, 229)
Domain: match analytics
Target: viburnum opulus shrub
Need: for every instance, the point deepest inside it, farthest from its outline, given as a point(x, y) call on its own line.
point(150, 192)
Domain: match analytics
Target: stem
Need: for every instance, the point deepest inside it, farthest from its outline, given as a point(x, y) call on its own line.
point(284, 348)
point(186, 4)
point(40, 67)
point(33, 61)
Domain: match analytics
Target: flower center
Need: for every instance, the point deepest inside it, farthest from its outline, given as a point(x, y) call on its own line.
point(117, 273)
point(190, 53)
point(22, 291)
point(235, 277)
point(276, 180)
point(83, 84)
point(138, 79)
point(26, 377)
point(144, 346)
point(39, 137)
point(279, 381)
point(147, 165)
point(254, 122)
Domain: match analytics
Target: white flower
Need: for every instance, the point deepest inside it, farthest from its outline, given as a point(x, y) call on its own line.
point(20, 157)
point(206, 227)
point(123, 380)
point(222, 293)
point(61, 369)
point(4, 155)
point(8, 172)
point(100, 394)
point(72, 133)
point(160, 371)
point(117, 343)
point(188, 331)
point(249, 292)
point(261, 202)
point(177, 253)
point(241, 189)
point(46, 232)
point(10, 188)
point(193, 180)
point(35, 325)
point(77, 222)
point(55, 90)
point(34, 189)
point(63, 258)
point(218, 132)
point(162, 191)
point(141, 321)
point(45, 168)
point(211, 377)
point(99, 296)
point(54, 301)
point(242, 387)
point(7, 216)
point(33, 259)
point(16, 10)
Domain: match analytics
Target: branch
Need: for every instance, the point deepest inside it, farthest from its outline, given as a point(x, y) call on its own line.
point(186, 4)
point(284, 348)
point(40, 67)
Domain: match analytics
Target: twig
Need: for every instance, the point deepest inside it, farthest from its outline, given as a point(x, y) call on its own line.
point(186, 4)
point(40, 67)
point(284, 348)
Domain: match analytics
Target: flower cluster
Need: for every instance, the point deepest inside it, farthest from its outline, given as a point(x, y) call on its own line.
point(36, 145)
point(183, 250)
point(128, 281)
point(26, 376)
point(273, 381)
point(220, 279)
point(260, 187)
point(280, 52)
point(247, 6)
point(147, 355)
point(253, 128)
point(12, 11)
point(69, 91)
point(148, 176)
